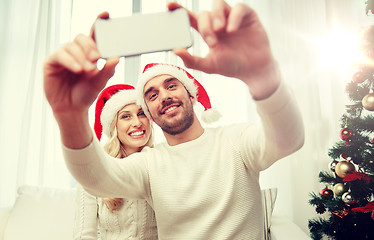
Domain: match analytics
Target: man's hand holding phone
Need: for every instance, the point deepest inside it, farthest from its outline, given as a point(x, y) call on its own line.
point(238, 47)
point(72, 83)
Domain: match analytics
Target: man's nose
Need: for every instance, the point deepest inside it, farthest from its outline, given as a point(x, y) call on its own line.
point(164, 95)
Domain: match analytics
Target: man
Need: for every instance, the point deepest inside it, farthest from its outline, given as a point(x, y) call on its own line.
point(202, 183)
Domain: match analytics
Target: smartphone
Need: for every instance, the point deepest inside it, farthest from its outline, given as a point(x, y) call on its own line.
point(143, 33)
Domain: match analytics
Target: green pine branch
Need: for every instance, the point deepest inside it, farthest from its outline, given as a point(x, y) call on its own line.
point(363, 124)
point(318, 227)
point(356, 92)
point(327, 177)
point(331, 205)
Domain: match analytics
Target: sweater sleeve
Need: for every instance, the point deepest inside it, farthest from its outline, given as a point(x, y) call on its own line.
point(85, 227)
point(281, 132)
point(104, 176)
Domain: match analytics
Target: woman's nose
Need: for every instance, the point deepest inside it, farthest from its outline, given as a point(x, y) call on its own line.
point(136, 122)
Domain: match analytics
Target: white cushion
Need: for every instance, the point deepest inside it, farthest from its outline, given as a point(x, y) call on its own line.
point(284, 229)
point(4, 215)
point(42, 213)
point(268, 202)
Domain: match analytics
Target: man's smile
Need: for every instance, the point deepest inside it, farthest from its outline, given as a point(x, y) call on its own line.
point(171, 107)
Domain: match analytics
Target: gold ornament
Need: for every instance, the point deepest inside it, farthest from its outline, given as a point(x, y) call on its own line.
point(368, 102)
point(343, 167)
point(339, 189)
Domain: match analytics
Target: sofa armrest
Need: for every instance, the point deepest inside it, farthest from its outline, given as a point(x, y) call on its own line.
point(4, 215)
point(282, 228)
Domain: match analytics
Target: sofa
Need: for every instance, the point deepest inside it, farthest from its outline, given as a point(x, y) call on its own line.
point(48, 213)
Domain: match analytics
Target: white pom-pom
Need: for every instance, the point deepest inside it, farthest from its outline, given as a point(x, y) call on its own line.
point(210, 115)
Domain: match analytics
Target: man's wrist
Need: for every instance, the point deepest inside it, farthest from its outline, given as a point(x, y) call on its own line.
point(262, 85)
point(75, 130)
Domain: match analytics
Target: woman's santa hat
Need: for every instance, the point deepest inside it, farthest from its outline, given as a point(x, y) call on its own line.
point(194, 88)
point(109, 102)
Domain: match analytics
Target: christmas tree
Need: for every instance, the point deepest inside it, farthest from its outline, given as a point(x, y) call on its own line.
point(347, 200)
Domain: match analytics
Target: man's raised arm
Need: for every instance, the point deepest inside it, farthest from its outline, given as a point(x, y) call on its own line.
point(72, 83)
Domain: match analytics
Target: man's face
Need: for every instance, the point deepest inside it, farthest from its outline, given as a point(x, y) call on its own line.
point(169, 104)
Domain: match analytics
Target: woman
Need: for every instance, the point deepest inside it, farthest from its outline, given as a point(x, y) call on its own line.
point(128, 131)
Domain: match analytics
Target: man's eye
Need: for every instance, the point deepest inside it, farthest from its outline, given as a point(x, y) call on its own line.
point(152, 96)
point(171, 86)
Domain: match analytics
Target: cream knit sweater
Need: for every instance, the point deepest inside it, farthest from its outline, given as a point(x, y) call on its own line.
point(207, 188)
point(134, 220)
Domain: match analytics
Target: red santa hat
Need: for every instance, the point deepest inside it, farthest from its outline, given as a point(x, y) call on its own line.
point(194, 88)
point(109, 102)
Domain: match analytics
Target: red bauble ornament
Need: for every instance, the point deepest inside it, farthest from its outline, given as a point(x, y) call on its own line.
point(327, 193)
point(345, 133)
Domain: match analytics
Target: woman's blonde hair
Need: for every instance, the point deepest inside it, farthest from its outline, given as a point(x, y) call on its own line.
point(115, 148)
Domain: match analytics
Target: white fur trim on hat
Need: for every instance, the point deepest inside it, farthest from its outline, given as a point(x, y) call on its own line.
point(113, 105)
point(210, 115)
point(161, 69)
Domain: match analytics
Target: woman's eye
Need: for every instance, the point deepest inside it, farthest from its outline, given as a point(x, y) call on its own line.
point(141, 113)
point(126, 116)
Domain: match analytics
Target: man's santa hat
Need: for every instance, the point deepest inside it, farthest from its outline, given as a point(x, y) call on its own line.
point(109, 102)
point(194, 88)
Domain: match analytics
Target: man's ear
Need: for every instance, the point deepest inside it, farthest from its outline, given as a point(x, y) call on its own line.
point(192, 99)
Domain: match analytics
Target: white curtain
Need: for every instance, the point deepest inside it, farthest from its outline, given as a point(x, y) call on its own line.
point(29, 140)
point(299, 32)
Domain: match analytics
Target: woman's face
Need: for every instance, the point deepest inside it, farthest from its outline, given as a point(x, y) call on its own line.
point(133, 128)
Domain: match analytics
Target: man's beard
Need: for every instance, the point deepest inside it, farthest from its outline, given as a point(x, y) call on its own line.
point(182, 124)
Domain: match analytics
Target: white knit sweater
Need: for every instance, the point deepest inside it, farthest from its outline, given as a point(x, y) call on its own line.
point(134, 220)
point(207, 188)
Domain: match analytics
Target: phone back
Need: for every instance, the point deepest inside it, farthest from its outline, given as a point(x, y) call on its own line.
point(143, 33)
